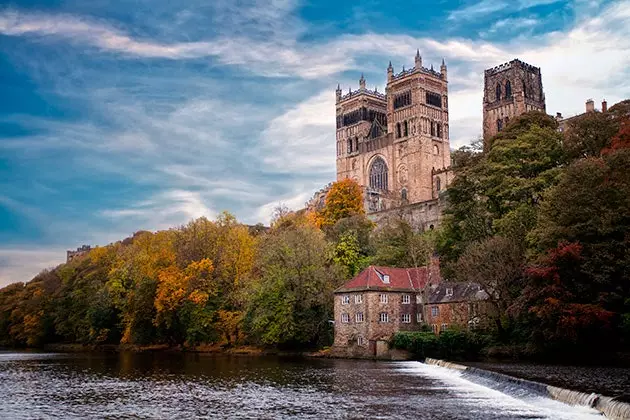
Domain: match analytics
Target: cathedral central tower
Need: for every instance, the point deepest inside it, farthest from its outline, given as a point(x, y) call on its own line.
point(396, 144)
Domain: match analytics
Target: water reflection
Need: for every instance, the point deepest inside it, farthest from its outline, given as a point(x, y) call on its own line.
point(174, 386)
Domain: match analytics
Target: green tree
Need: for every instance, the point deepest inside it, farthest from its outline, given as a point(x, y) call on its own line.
point(291, 299)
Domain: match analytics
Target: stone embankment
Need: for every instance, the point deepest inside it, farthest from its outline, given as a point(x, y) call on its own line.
point(608, 406)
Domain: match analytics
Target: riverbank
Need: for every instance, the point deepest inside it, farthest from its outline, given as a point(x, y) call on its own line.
point(165, 348)
point(611, 407)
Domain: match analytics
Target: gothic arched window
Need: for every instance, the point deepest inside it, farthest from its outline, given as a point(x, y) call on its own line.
point(378, 174)
point(406, 128)
point(508, 89)
point(436, 150)
point(356, 144)
point(499, 124)
point(433, 128)
point(349, 145)
point(498, 91)
point(438, 131)
point(438, 184)
point(403, 194)
point(397, 130)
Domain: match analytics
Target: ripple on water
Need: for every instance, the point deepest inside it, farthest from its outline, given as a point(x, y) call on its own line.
point(175, 386)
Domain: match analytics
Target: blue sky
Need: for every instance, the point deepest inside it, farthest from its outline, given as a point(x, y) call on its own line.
point(120, 116)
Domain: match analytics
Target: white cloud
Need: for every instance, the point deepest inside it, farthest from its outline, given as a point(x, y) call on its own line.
point(479, 9)
point(22, 264)
point(162, 211)
point(303, 138)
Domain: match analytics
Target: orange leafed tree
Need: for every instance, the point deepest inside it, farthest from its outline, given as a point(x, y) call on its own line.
point(344, 199)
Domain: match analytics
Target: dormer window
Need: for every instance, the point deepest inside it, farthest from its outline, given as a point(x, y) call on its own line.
point(386, 278)
point(449, 291)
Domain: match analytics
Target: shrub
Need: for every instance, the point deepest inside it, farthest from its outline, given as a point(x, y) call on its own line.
point(451, 345)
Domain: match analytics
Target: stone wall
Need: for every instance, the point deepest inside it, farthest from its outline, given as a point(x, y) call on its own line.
point(421, 216)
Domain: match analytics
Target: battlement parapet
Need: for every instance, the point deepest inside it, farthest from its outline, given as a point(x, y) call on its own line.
point(509, 65)
point(413, 70)
point(363, 91)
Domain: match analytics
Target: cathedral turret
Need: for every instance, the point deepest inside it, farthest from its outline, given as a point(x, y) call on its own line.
point(362, 82)
point(418, 60)
point(443, 70)
point(390, 72)
point(338, 92)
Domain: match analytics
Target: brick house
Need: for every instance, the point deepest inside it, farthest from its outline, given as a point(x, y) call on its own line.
point(460, 305)
point(377, 303)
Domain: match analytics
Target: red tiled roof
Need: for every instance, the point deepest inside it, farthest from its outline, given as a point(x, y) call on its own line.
point(399, 279)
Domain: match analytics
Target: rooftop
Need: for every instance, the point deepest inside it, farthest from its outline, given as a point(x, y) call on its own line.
point(390, 278)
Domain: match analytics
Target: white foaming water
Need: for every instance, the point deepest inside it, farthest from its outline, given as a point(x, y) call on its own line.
point(521, 403)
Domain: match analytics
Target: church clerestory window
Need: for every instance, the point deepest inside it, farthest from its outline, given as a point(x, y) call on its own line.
point(378, 174)
point(508, 89)
point(405, 128)
point(398, 130)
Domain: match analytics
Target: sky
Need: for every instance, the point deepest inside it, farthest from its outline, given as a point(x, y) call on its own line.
point(118, 116)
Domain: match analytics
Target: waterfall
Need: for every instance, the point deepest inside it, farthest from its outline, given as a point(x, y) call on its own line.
point(608, 406)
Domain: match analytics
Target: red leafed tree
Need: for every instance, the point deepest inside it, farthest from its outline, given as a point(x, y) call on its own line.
point(557, 302)
point(621, 140)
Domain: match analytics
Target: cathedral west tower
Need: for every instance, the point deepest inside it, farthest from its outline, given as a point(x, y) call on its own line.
point(396, 144)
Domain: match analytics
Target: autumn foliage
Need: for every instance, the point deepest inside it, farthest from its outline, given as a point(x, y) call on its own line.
point(344, 199)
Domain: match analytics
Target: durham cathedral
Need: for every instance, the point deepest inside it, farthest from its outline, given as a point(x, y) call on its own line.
point(396, 144)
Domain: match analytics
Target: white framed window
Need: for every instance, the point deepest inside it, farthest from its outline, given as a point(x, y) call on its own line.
point(383, 298)
point(449, 291)
point(345, 318)
point(434, 328)
point(435, 311)
point(405, 318)
point(361, 341)
point(419, 317)
point(345, 299)
point(358, 317)
point(418, 298)
point(406, 299)
point(444, 327)
point(383, 317)
point(358, 298)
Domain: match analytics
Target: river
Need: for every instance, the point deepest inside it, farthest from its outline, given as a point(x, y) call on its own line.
point(182, 386)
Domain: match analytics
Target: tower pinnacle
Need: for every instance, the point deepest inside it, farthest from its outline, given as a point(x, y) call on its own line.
point(418, 60)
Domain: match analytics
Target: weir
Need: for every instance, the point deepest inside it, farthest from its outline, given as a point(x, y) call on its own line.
point(608, 406)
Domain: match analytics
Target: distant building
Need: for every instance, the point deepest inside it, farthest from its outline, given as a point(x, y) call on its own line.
point(71, 255)
point(563, 123)
point(510, 90)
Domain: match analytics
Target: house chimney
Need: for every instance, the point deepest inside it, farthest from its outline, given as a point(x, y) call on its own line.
point(604, 106)
point(590, 106)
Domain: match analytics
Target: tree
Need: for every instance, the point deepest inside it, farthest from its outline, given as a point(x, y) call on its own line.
point(591, 206)
point(291, 300)
point(560, 316)
point(397, 244)
point(344, 199)
point(588, 134)
point(497, 265)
